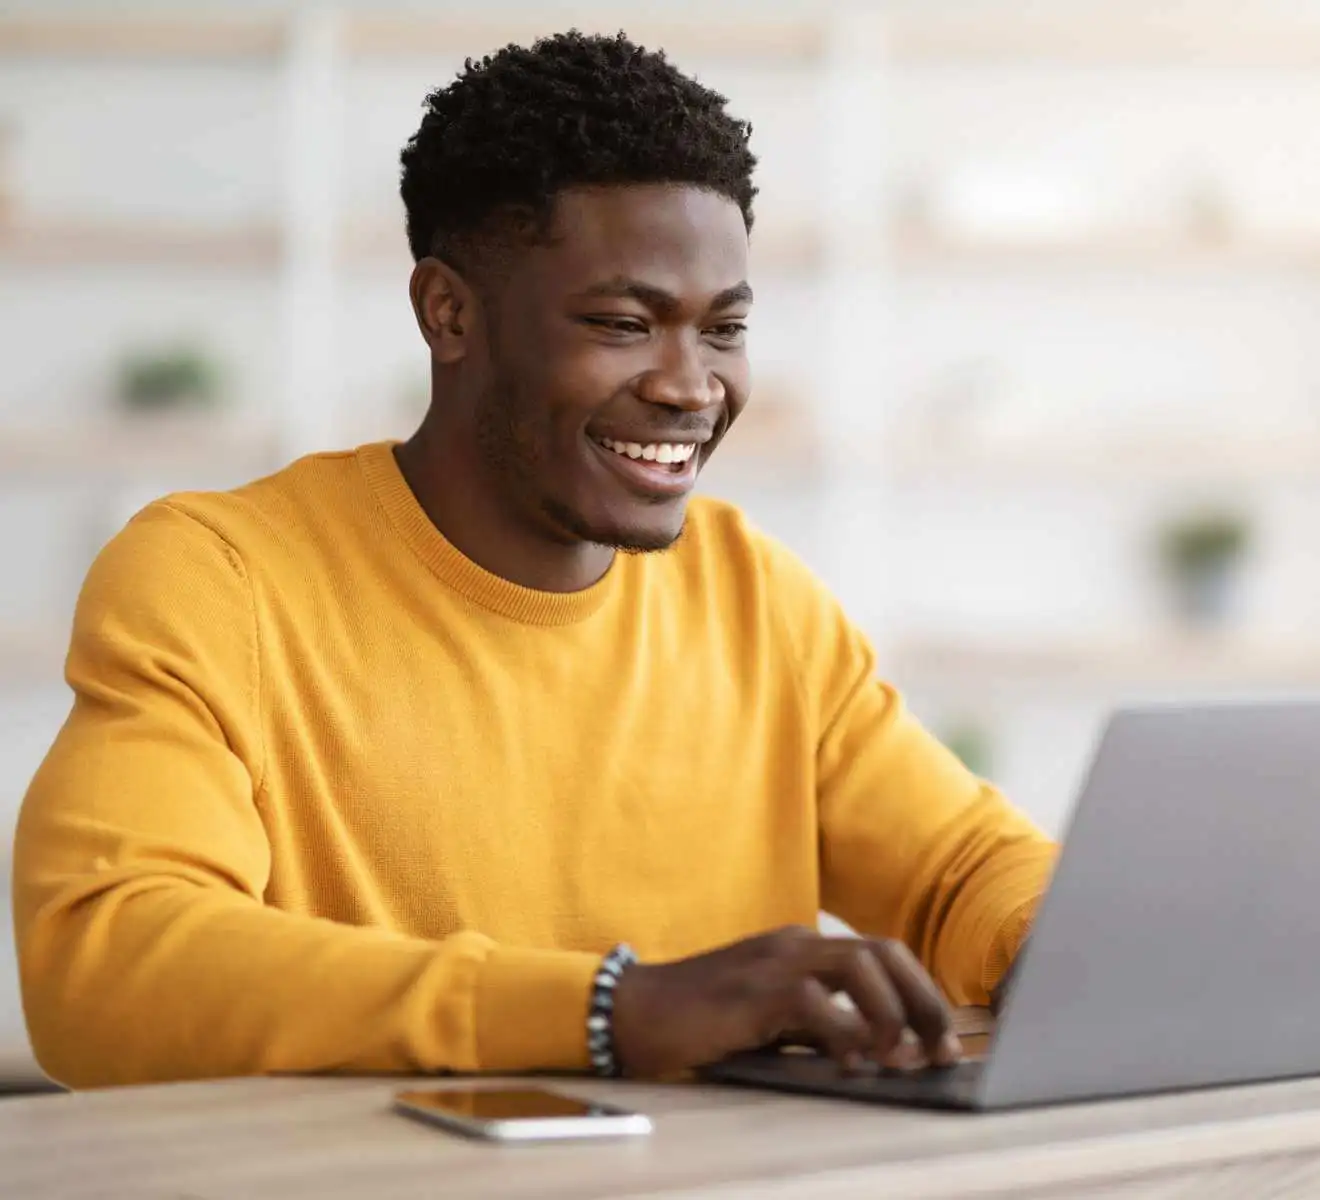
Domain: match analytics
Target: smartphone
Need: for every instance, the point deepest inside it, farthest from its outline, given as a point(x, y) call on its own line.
point(522, 1114)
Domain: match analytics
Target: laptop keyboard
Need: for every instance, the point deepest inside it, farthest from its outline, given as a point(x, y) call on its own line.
point(791, 1067)
point(963, 1072)
point(929, 1083)
point(799, 1071)
point(975, 1043)
point(969, 1067)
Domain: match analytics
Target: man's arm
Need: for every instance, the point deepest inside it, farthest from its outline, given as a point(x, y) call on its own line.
point(146, 950)
point(913, 846)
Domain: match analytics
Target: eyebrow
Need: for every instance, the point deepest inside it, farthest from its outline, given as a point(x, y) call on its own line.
point(659, 300)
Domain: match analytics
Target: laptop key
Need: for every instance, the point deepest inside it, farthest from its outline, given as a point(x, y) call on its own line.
point(969, 1068)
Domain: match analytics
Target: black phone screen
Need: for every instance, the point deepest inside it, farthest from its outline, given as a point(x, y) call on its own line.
point(502, 1104)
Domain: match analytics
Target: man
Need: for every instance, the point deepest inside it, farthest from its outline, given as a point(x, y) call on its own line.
point(379, 763)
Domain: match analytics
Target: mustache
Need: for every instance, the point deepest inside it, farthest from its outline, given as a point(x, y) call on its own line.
point(693, 429)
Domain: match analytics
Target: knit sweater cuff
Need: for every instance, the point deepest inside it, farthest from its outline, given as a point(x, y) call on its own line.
point(988, 925)
point(531, 1010)
point(1000, 929)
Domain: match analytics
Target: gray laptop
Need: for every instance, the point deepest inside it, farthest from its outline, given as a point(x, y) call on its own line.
point(1179, 944)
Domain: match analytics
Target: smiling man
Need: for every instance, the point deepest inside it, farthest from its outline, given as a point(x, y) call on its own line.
point(492, 749)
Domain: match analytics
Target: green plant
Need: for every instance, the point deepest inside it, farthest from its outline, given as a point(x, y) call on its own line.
point(1208, 541)
point(972, 743)
point(171, 378)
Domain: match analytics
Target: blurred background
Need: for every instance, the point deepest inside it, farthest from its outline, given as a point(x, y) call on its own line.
point(1037, 334)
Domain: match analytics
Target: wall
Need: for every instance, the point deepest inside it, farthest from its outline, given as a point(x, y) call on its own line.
point(1002, 409)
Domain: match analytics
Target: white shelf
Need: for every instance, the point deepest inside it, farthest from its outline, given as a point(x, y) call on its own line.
point(1072, 459)
point(773, 41)
point(786, 440)
point(1162, 660)
point(1117, 249)
point(1196, 34)
point(785, 246)
point(131, 448)
point(127, 36)
point(138, 243)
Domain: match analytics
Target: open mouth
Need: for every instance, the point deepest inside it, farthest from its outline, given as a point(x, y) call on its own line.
point(658, 468)
point(669, 454)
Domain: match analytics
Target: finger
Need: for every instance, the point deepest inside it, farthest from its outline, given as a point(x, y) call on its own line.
point(819, 1021)
point(849, 965)
point(907, 1055)
point(928, 1013)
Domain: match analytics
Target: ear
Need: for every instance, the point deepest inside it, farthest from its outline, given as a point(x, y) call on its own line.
point(445, 307)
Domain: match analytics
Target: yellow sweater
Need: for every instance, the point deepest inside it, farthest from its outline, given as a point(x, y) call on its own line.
point(332, 797)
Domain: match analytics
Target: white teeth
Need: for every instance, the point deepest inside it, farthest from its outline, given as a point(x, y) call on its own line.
point(659, 452)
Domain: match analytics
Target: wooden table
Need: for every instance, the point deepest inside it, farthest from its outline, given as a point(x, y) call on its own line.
point(323, 1139)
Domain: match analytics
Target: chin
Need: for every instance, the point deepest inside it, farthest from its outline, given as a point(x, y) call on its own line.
point(649, 530)
point(642, 542)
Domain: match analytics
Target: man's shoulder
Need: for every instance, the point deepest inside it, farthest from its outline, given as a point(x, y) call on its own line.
point(256, 518)
point(722, 532)
point(708, 516)
point(724, 547)
point(720, 537)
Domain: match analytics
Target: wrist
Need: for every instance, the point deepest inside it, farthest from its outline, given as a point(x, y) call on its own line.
point(602, 1044)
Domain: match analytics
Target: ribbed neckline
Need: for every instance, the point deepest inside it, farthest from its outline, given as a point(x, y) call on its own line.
point(454, 568)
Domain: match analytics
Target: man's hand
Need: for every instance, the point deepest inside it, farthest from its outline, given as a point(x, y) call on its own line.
point(674, 1016)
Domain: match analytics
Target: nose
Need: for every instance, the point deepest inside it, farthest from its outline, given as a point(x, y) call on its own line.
point(681, 379)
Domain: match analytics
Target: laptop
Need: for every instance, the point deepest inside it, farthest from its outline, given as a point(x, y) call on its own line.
point(1179, 943)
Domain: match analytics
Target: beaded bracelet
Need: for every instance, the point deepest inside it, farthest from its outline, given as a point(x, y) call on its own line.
point(600, 1017)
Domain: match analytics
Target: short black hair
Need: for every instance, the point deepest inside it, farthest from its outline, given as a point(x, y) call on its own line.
point(520, 126)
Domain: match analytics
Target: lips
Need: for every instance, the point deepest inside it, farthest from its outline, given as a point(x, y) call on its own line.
point(652, 468)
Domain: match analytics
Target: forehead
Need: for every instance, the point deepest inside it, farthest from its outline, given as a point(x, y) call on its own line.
point(688, 241)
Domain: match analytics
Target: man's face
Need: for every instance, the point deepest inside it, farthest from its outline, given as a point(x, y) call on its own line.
point(617, 361)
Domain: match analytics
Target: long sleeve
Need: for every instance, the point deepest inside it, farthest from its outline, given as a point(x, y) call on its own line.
point(146, 950)
point(912, 845)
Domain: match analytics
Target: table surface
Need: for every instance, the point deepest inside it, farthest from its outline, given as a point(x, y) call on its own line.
point(296, 1138)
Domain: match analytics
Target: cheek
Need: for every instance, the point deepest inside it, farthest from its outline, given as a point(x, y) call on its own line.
point(737, 379)
point(584, 379)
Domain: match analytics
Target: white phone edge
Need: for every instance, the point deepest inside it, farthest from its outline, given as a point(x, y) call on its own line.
point(536, 1129)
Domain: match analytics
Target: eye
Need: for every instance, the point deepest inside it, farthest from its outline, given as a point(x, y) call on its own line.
point(616, 324)
point(730, 332)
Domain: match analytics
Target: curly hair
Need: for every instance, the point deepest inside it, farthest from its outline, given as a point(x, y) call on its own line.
point(520, 126)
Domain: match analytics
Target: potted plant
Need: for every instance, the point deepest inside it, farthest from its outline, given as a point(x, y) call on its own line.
point(1202, 555)
point(971, 741)
point(168, 380)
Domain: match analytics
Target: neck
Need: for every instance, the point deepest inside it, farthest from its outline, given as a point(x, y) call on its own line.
point(466, 504)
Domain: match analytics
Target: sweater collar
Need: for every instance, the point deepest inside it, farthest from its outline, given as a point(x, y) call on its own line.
point(452, 567)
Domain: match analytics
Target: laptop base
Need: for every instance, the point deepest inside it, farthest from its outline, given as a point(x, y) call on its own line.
point(956, 1087)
